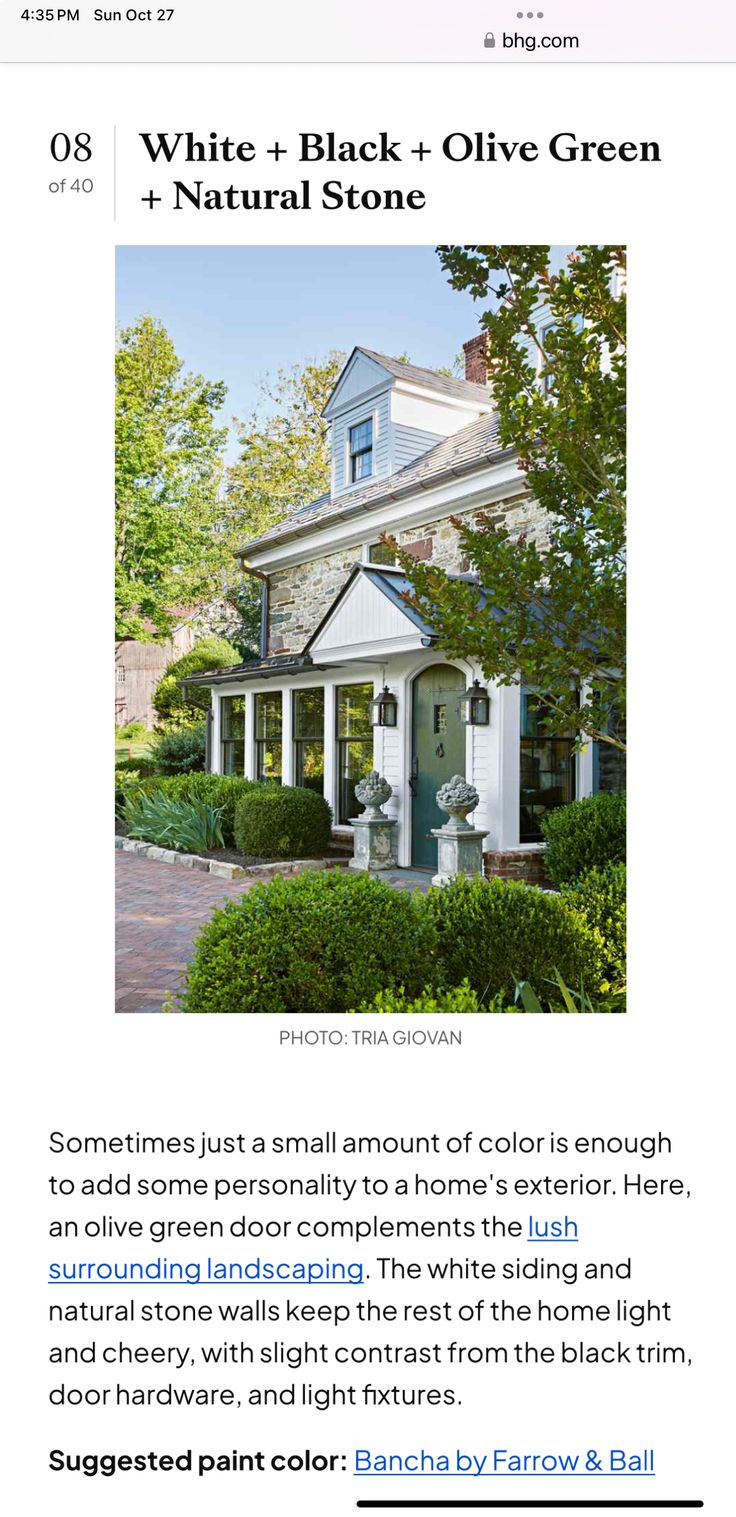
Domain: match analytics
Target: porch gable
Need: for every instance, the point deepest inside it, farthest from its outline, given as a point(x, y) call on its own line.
point(369, 619)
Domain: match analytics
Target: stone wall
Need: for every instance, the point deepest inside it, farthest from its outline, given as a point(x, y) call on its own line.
point(301, 596)
point(440, 542)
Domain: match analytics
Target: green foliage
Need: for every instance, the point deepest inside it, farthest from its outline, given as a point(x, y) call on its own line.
point(188, 826)
point(170, 702)
point(132, 732)
point(140, 766)
point(599, 896)
point(180, 750)
point(321, 942)
point(284, 460)
point(555, 609)
point(460, 998)
point(168, 452)
point(584, 835)
point(282, 822)
point(221, 790)
point(496, 931)
point(556, 996)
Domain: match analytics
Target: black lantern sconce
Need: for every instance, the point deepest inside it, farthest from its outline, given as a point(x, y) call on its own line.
point(475, 706)
point(385, 709)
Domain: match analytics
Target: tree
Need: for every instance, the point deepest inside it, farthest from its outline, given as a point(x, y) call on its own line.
point(284, 461)
point(170, 702)
point(169, 546)
point(553, 616)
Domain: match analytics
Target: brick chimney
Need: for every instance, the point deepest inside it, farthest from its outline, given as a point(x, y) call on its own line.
point(476, 369)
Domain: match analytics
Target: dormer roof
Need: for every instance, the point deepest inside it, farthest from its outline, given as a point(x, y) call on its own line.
point(410, 373)
point(470, 449)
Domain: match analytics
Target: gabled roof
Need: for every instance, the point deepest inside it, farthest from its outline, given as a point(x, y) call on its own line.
point(429, 379)
point(445, 384)
point(471, 448)
point(391, 583)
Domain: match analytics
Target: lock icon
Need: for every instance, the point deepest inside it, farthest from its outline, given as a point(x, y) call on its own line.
point(490, 40)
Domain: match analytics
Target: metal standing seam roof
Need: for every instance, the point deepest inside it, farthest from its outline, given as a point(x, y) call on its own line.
point(391, 583)
point(445, 384)
point(470, 448)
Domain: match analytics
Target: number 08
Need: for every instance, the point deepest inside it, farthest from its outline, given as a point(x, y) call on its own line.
point(63, 148)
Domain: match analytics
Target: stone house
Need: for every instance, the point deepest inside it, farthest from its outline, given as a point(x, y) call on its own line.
point(410, 449)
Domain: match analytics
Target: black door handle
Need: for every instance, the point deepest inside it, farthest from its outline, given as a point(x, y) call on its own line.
point(414, 776)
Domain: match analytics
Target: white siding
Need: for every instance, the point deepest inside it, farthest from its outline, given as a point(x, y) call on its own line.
point(361, 375)
point(411, 443)
point(364, 618)
point(479, 773)
point(378, 409)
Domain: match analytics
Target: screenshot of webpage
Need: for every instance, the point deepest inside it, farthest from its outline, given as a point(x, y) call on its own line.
point(367, 600)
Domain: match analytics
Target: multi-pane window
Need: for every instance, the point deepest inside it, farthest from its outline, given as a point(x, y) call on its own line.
point(309, 739)
point(609, 763)
point(547, 778)
point(361, 450)
point(232, 733)
point(380, 553)
point(268, 723)
point(354, 744)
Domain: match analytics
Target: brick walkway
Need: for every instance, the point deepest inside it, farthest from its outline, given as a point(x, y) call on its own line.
point(159, 908)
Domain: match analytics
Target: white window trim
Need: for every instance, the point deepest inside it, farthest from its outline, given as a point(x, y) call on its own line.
point(353, 484)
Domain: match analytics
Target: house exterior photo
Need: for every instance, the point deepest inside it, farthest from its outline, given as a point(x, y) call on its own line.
point(411, 448)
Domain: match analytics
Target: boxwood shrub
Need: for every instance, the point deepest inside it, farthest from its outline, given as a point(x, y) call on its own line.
point(496, 932)
point(139, 766)
point(600, 898)
point(320, 942)
point(180, 750)
point(585, 835)
point(459, 998)
point(282, 822)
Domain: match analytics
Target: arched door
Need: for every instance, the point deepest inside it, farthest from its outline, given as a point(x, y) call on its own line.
point(438, 751)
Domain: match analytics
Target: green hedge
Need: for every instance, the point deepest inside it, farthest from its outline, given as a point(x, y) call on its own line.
point(283, 822)
point(496, 932)
point(330, 941)
point(321, 942)
point(585, 835)
point(599, 896)
point(221, 790)
point(142, 767)
point(180, 750)
point(460, 998)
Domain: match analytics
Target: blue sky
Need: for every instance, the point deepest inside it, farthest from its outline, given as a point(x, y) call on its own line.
point(238, 314)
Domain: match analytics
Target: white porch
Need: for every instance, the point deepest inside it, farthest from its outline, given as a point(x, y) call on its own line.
point(370, 638)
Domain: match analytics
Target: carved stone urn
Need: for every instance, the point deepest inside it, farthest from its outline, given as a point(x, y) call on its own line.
point(459, 846)
point(373, 793)
point(457, 798)
point(374, 845)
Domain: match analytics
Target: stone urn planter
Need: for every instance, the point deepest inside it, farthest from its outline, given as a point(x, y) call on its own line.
point(457, 798)
point(373, 792)
point(459, 846)
point(373, 830)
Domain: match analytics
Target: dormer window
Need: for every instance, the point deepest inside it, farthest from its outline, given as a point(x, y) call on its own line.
point(361, 450)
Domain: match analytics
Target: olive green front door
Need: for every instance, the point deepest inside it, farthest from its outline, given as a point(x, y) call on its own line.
point(438, 751)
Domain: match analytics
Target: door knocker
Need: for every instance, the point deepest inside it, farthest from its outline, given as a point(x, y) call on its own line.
point(440, 750)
